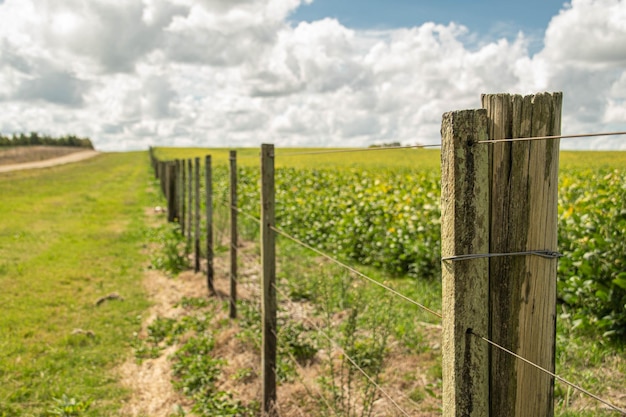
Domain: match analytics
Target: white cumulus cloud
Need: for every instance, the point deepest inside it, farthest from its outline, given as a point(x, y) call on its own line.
point(129, 73)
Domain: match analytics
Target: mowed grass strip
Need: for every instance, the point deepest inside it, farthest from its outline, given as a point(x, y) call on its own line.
point(68, 236)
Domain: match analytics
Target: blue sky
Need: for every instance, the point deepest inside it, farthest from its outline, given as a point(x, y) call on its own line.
point(235, 73)
point(489, 19)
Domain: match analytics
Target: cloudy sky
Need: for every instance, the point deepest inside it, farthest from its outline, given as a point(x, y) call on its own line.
point(232, 73)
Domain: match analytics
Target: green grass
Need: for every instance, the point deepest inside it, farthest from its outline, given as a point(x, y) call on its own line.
point(68, 236)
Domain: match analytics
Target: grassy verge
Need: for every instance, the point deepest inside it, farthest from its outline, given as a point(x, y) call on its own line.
point(69, 236)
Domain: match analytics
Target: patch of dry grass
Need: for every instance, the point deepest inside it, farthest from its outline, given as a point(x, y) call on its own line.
point(22, 154)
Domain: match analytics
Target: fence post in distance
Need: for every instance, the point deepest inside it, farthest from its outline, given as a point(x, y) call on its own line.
point(268, 259)
point(170, 190)
point(183, 195)
point(197, 215)
point(190, 203)
point(233, 235)
point(208, 180)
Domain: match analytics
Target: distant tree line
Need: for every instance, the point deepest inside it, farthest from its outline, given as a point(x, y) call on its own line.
point(36, 139)
point(386, 145)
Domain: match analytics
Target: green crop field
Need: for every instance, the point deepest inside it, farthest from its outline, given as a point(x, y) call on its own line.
point(380, 210)
point(73, 234)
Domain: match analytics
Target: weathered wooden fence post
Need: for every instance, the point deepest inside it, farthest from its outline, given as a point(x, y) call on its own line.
point(197, 215)
point(208, 180)
point(502, 208)
point(162, 176)
point(465, 230)
point(268, 259)
point(177, 186)
point(524, 218)
point(189, 203)
point(233, 235)
point(170, 191)
point(183, 203)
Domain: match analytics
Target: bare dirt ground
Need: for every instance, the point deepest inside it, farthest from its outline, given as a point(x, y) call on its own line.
point(20, 158)
point(150, 381)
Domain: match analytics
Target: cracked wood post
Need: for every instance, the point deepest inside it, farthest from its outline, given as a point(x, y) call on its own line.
point(208, 180)
point(268, 259)
point(233, 235)
point(524, 217)
point(465, 230)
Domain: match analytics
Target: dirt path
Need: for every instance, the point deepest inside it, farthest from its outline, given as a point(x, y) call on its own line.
point(67, 159)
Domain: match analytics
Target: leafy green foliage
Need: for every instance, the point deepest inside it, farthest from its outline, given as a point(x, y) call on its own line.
point(197, 371)
point(592, 227)
point(294, 339)
point(69, 407)
point(193, 365)
point(192, 302)
point(390, 219)
point(172, 251)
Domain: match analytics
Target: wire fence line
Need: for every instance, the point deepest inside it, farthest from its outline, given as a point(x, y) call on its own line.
point(319, 329)
point(561, 379)
point(373, 149)
point(547, 254)
point(360, 274)
point(548, 372)
point(305, 385)
point(437, 145)
point(581, 135)
point(356, 272)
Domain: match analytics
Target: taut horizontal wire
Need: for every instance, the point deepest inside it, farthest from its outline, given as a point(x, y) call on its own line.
point(359, 273)
point(344, 353)
point(301, 379)
point(543, 253)
point(581, 135)
point(385, 148)
point(240, 211)
point(552, 374)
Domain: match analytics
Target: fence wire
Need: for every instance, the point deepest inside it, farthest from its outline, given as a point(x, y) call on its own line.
point(306, 387)
point(381, 148)
point(396, 293)
point(437, 145)
point(354, 271)
point(552, 374)
point(581, 135)
point(439, 315)
point(350, 359)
